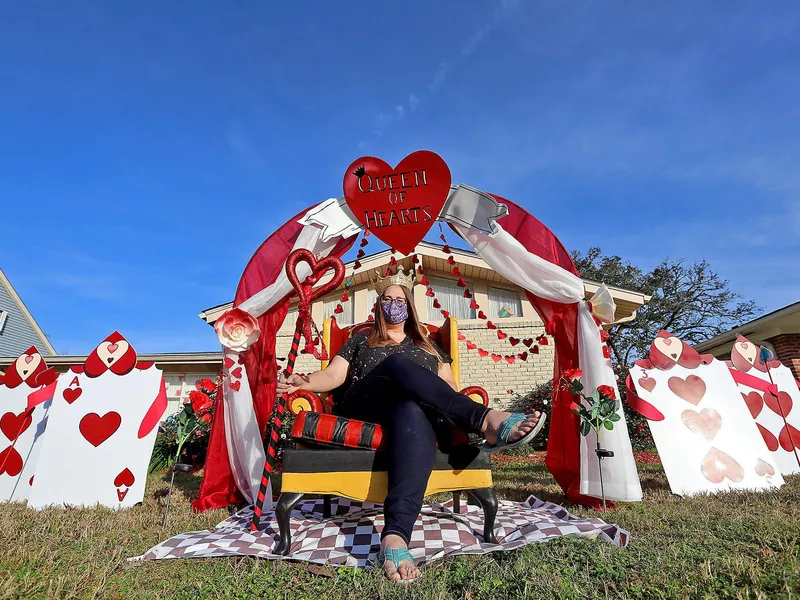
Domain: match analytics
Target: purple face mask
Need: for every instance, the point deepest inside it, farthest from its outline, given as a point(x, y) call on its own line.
point(394, 312)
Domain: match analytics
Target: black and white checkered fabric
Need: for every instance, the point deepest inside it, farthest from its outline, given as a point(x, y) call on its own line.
point(351, 537)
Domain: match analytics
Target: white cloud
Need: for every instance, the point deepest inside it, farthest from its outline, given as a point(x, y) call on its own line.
point(413, 102)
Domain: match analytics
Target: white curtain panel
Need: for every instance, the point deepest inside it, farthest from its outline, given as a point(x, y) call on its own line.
point(451, 298)
point(508, 256)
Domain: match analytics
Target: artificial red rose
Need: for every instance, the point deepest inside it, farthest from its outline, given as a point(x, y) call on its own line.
point(574, 406)
point(571, 374)
point(206, 418)
point(208, 386)
point(200, 401)
point(237, 330)
point(608, 391)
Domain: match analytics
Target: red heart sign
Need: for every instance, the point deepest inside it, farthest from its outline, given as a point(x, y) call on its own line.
point(97, 429)
point(10, 462)
point(125, 477)
point(399, 205)
point(305, 289)
point(13, 425)
point(70, 394)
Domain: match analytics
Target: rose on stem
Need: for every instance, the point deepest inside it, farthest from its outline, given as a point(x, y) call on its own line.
point(598, 410)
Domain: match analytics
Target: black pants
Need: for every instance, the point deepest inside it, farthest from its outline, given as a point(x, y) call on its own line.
point(406, 399)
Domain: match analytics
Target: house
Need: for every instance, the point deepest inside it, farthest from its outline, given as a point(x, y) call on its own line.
point(779, 331)
point(504, 303)
point(18, 329)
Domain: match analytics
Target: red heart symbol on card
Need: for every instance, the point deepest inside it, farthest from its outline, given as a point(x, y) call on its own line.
point(482, 353)
point(647, 383)
point(471, 345)
point(13, 425)
point(523, 356)
point(692, 389)
point(96, 429)
point(496, 357)
point(72, 394)
point(769, 439)
point(112, 348)
point(318, 267)
point(780, 403)
point(754, 403)
point(399, 205)
point(125, 477)
point(706, 423)
point(763, 468)
point(237, 372)
point(235, 385)
point(10, 462)
point(789, 438)
point(717, 465)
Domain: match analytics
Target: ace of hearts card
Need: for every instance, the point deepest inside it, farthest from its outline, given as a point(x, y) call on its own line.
point(770, 392)
point(707, 439)
point(21, 428)
point(103, 422)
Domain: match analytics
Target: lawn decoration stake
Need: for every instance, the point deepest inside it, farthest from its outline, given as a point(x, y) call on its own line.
point(307, 294)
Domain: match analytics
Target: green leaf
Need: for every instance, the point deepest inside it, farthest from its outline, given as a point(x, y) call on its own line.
point(183, 418)
point(585, 427)
point(608, 425)
point(614, 418)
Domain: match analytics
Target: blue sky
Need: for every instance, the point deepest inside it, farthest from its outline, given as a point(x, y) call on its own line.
point(148, 148)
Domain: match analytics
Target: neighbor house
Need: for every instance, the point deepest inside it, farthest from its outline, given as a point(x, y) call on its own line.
point(18, 329)
point(779, 331)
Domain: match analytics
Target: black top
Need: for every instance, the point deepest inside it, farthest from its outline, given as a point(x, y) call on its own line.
point(363, 358)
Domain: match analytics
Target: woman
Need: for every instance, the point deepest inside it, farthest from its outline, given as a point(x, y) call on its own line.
point(397, 376)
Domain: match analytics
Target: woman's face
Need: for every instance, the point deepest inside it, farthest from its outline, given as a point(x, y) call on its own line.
point(394, 305)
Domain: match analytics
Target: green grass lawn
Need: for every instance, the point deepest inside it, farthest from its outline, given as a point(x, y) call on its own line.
point(740, 545)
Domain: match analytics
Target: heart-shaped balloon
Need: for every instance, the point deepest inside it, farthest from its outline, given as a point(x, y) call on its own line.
point(318, 267)
point(399, 205)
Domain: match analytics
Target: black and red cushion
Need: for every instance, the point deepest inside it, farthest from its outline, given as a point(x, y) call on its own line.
point(332, 430)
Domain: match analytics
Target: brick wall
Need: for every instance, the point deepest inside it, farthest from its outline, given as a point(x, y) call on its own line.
point(497, 378)
point(787, 347)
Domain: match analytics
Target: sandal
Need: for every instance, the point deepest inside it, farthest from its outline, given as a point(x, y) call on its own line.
point(507, 427)
point(397, 555)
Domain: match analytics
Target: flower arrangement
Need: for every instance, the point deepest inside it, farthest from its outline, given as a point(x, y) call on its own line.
point(183, 437)
point(597, 411)
point(237, 330)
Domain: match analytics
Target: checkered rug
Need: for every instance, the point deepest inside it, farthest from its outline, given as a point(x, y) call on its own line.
point(351, 537)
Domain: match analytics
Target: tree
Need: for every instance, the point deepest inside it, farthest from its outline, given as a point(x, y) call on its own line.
point(689, 300)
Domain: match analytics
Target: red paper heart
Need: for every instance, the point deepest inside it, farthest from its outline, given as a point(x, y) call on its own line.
point(789, 437)
point(496, 357)
point(528, 342)
point(125, 477)
point(399, 205)
point(501, 335)
point(692, 389)
point(451, 260)
point(481, 315)
point(338, 310)
point(514, 341)
point(461, 282)
point(96, 429)
point(228, 362)
point(237, 372)
point(429, 293)
point(769, 439)
point(535, 350)
point(491, 325)
point(13, 425)
point(543, 340)
point(471, 345)
point(456, 272)
point(474, 304)
point(72, 394)
point(482, 353)
point(445, 314)
point(304, 289)
point(754, 403)
point(235, 385)
point(424, 280)
point(510, 359)
point(436, 303)
point(647, 383)
point(446, 249)
point(461, 336)
point(10, 462)
point(344, 297)
point(523, 356)
point(780, 403)
point(467, 294)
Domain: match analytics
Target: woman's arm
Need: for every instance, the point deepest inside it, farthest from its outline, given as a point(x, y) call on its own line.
point(446, 373)
point(325, 380)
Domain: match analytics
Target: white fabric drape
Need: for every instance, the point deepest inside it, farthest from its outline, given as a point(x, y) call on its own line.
point(508, 256)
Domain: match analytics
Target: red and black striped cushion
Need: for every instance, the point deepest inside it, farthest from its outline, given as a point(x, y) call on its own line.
point(331, 430)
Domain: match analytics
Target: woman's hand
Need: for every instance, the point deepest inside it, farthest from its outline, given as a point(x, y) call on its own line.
point(291, 384)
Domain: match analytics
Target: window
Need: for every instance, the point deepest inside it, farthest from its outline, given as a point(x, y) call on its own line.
point(3, 317)
point(504, 303)
point(343, 318)
point(451, 298)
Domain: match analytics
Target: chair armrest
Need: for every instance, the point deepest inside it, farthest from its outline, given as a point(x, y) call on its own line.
point(303, 400)
point(477, 394)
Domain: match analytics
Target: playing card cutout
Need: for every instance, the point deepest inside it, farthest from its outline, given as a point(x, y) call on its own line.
point(96, 429)
point(706, 423)
point(718, 466)
point(27, 369)
point(113, 354)
point(705, 436)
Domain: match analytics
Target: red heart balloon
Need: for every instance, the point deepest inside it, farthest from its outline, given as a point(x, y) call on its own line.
point(305, 289)
point(399, 205)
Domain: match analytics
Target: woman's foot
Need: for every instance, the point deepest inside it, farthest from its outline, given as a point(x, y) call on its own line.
point(495, 418)
point(406, 569)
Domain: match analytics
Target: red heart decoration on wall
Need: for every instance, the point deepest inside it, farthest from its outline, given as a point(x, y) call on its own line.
point(305, 289)
point(482, 353)
point(523, 356)
point(13, 425)
point(399, 205)
point(471, 345)
point(496, 357)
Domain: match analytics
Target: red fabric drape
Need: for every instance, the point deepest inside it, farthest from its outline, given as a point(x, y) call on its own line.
point(561, 322)
point(218, 488)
